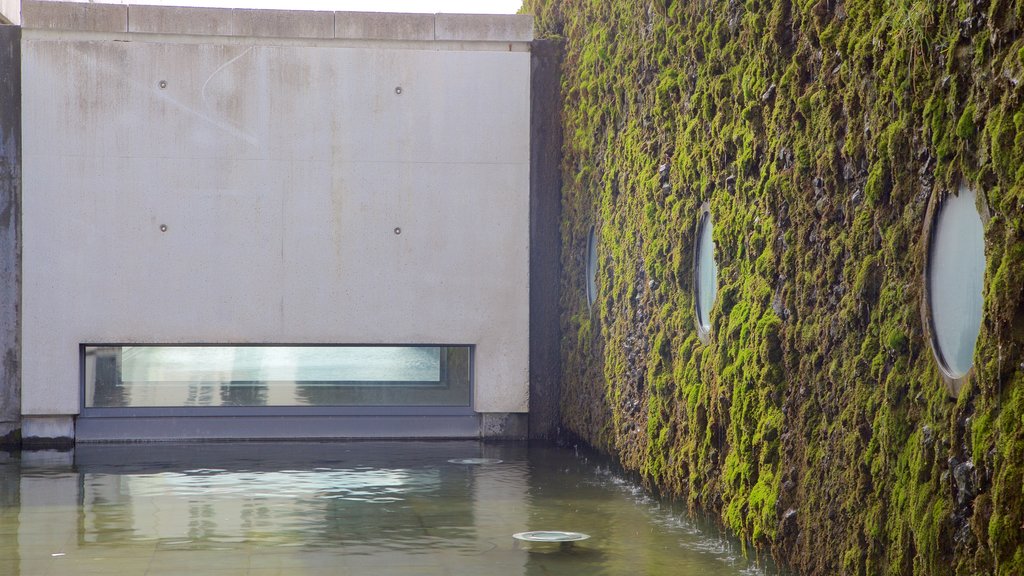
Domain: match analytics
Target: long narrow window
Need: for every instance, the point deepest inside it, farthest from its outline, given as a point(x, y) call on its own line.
point(221, 376)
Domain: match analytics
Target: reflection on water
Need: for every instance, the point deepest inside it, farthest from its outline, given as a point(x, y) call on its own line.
point(330, 508)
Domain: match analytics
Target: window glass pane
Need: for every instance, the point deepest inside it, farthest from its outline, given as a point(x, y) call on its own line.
point(592, 267)
point(175, 376)
point(955, 275)
point(707, 273)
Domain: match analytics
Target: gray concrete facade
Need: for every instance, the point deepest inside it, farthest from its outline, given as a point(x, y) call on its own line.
point(10, 234)
point(545, 237)
point(210, 176)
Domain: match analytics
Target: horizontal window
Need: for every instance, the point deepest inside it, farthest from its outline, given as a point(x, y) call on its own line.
point(219, 376)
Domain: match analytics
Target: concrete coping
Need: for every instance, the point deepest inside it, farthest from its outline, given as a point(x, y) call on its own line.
point(10, 12)
point(119, 18)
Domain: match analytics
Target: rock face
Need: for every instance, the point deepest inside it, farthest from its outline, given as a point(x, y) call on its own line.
point(815, 422)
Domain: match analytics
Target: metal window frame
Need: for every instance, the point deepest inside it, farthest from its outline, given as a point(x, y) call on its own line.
point(952, 382)
point(451, 410)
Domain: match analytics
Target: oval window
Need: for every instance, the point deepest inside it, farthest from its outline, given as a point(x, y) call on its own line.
point(955, 273)
point(705, 273)
point(592, 267)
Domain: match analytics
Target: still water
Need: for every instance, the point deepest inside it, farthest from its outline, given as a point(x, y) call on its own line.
point(380, 508)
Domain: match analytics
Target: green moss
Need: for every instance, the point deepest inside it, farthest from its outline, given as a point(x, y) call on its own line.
point(896, 341)
point(965, 126)
point(819, 132)
point(878, 184)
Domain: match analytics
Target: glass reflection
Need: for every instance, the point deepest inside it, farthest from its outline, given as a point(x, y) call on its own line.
point(706, 273)
point(592, 267)
point(216, 376)
point(956, 274)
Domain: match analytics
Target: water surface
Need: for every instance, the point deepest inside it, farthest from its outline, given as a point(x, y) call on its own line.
point(339, 508)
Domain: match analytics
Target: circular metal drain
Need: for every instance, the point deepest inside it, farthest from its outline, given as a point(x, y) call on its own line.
point(555, 536)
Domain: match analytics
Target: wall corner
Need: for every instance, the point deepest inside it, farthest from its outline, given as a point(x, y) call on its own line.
point(10, 234)
point(545, 236)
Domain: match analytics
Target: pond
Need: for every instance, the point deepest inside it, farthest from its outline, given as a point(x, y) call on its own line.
point(423, 508)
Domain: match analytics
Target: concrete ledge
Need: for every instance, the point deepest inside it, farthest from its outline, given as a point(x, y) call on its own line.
point(74, 16)
point(383, 26)
point(484, 27)
point(161, 428)
point(504, 426)
point(10, 435)
point(230, 22)
point(197, 21)
point(47, 431)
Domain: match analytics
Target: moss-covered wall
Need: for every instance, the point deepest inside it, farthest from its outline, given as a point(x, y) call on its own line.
point(815, 422)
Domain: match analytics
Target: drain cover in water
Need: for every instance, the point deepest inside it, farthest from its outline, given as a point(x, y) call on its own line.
point(475, 461)
point(550, 536)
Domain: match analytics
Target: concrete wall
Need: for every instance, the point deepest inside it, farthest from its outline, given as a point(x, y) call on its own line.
point(283, 152)
point(545, 237)
point(10, 233)
point(10, 11)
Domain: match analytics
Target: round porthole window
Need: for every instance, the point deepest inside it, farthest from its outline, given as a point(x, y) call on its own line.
point(954, 273)
point(592, 267)
point(705, 273)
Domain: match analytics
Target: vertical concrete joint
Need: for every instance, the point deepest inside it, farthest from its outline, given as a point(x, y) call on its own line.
point(545, 237)
point(10, 235)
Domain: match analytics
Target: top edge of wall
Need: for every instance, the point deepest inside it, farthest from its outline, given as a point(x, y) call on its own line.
point(10, 12)
point(195, 21)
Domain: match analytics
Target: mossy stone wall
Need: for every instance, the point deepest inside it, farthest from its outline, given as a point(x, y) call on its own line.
point(815, 423)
